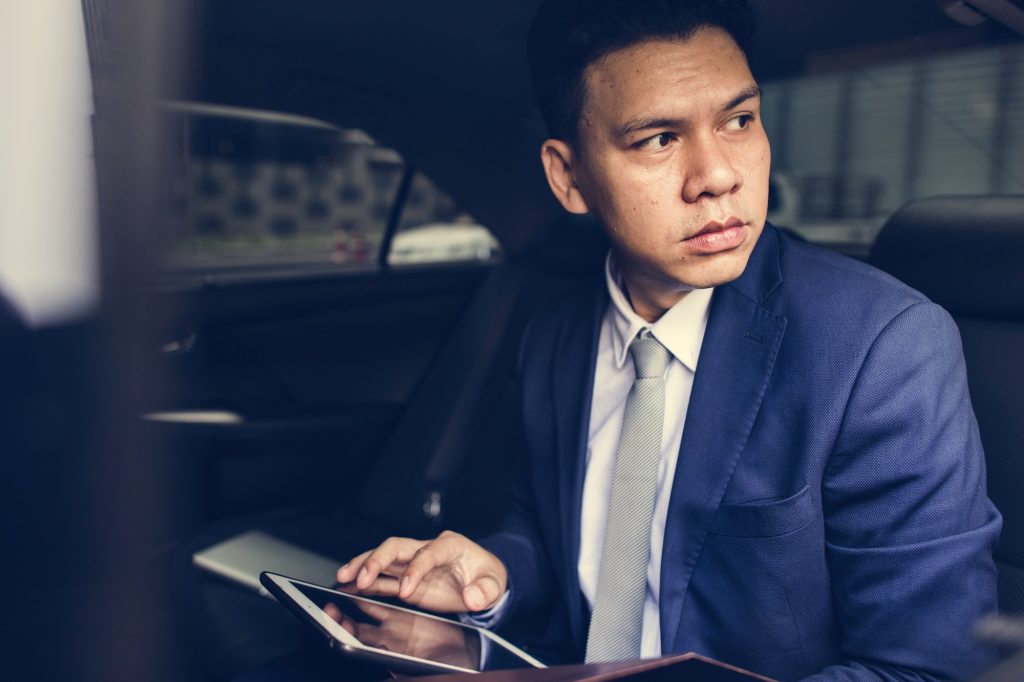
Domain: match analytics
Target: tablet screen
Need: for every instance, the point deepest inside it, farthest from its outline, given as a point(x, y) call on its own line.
point(378, 625)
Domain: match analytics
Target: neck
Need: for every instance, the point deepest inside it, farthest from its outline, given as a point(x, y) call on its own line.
point(650, 302)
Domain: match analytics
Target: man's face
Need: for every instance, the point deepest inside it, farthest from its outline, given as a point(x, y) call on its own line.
point(673, 161)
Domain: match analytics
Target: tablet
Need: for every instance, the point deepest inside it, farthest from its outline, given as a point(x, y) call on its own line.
point(397, 638)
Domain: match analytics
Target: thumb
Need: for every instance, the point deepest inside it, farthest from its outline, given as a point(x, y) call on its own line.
point(481, 593)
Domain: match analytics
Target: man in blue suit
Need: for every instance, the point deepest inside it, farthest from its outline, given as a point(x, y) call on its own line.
point(819, 508)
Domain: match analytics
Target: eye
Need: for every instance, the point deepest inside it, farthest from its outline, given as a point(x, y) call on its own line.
point(656, 142)
point(739, 122)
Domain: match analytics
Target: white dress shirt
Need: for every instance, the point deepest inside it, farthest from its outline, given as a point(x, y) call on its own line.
point(681, 331)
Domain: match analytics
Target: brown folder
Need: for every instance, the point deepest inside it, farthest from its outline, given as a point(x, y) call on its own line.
point(679, 668)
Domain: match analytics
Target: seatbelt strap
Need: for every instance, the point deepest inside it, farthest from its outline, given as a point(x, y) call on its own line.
point(426, 450)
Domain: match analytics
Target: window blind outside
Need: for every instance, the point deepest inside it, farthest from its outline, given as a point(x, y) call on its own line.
point(960, 109)
point(1010, 173)
point(951, 124)
point(813, 112)
point(880, 130)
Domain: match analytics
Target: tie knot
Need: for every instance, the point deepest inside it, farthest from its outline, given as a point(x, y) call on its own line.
point(649, 357)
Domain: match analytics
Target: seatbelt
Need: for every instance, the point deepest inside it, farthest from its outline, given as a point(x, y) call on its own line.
point(405, 490)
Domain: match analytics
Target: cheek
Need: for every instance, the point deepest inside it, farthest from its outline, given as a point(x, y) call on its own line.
point(757, 170)
point(648, 195)
point(639, 207)
point(625, 203)
point(765, 159)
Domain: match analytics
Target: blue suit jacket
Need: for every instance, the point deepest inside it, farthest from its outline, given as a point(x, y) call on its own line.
point(828, 513)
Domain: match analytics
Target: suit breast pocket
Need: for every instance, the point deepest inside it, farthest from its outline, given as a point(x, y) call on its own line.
point(765, 518)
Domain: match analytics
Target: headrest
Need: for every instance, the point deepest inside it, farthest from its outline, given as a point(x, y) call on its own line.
point(574, 246)
point(965, 253)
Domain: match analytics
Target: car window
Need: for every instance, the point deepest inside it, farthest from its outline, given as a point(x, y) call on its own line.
point(433, 229)
point(851, 147)
point(258, 192)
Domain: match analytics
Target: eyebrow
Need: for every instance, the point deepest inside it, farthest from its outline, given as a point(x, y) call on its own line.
point(635, 125)
point(749, 92)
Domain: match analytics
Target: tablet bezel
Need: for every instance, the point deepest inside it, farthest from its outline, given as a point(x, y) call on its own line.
point(284, 589)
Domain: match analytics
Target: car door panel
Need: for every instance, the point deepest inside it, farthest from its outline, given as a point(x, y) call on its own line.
point(285, 392)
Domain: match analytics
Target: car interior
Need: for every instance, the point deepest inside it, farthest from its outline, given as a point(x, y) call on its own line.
point(315, 280)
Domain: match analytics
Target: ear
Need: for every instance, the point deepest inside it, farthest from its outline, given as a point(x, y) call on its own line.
point(559, 167)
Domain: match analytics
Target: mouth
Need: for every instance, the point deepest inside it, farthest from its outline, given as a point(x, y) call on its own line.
point(717, 226)
point(718, 235)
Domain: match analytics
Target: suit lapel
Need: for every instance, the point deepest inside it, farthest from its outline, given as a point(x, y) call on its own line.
point(573, 388)
point(740, 345)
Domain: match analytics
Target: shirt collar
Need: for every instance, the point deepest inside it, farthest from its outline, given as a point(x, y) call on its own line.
point(680, 329)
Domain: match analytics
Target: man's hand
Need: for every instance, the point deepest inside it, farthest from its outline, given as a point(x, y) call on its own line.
point(450, 573)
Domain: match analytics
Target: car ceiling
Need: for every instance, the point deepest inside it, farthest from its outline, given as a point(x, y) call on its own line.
point(447, 85)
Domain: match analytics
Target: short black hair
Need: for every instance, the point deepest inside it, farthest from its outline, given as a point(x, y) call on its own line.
point(568, 35)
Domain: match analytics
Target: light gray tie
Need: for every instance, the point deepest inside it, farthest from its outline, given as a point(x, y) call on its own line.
point(617, 620)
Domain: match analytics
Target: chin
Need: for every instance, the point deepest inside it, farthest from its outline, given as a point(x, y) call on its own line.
point(704, 278)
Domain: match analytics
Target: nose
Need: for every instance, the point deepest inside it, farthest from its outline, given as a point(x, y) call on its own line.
point(709, 171)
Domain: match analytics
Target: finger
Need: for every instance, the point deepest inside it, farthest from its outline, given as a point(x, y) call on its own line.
point(390, 551)
point(394, 569)
point(350, 570)
point(347, 572)
point(440, 552)
point(383, 586)
point(482, 593)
